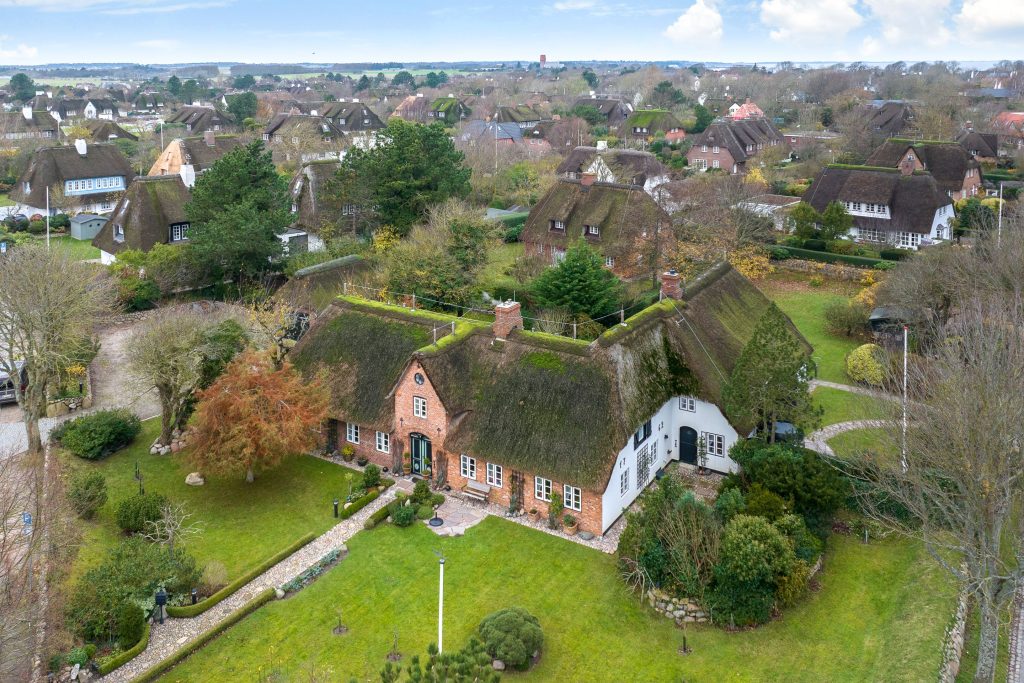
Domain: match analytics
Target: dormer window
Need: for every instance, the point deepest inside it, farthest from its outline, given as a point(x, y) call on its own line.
point(715, 149)
point(750, 148)
point(910, 156)
point(557, 226)
point(703, 148)
point(591, 230)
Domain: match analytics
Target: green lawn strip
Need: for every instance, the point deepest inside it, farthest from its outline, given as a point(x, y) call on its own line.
point(499, 259)
point(806, 308)
point(845, 406)
point(854, 443)
point(871, 597)
point(241, 523)
point(80, 250)
point(969, 658)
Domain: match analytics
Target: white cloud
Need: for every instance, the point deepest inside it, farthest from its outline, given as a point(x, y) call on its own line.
point(700, 24)
point(909, 22)
point(113, 6)
point(981, 17)
point(569, 5)
point(814, 21)
point(18, 53)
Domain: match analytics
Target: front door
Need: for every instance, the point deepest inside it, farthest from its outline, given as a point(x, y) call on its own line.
point(688, 445)
point(419, 448)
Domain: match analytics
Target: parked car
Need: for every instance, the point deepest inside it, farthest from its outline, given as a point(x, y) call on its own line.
point(785, 432)
point(7, 394)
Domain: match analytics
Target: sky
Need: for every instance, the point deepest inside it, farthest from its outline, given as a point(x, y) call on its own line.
point(169, 31)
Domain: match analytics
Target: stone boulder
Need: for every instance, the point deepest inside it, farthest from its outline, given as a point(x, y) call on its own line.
point(195, 479)
point(498, 665)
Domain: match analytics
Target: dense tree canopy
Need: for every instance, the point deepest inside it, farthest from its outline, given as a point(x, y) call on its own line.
point(243, 106)
point(579, 284)
point(22, 87)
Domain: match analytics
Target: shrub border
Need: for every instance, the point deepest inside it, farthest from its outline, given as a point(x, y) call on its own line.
point(359, 503)
point(186, 611)
point(829, 257)
point(188, 648)
point(377, 517)
point(122, 658)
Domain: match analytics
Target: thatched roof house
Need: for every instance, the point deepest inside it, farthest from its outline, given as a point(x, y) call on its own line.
point(151, 212)
point(501, 412)
point(89, 176)
point(626, 166)
point(957, 173)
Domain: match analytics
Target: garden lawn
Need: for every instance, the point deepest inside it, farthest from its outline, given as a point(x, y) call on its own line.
point(5, 200)
point(805, 305)
point(853, 444)
point(844, 406)
point(80, 250)
point(499, 259)
point(243, 524)
point(871, 597)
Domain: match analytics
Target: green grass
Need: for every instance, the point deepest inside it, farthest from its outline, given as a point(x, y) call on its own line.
point(871, 597)
point(805, 305)
point(844, 406)
point(5, 200)
point(853, 444)
point(969, 658)
point(500, 259)
point(80, 250)
point(242, 523)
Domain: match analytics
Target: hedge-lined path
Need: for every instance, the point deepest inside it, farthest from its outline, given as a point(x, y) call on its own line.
point(166, 638)
point(818, 441)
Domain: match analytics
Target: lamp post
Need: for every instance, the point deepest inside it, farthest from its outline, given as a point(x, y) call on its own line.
point(440, 603)
point(161, 600)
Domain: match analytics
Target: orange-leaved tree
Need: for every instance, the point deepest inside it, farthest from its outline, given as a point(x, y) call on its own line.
point(254, 416)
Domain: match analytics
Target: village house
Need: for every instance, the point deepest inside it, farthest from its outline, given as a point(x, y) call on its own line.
point(313, 209)
point(356, 119)
point(148, 102)
point(613, 218)
point(614, 111)
point(198, 119)
point(511, 417)
point(151, 212)
point(887, 205)
point(523, 116)
point(957, 173)
point(983, 147)
point(623, 166)
point(888, 117)
point(28, 125)
point(729, 145)
point(447, 110)
point(83, 177)
point(747, 110)
point(1010, 125)
point(488, 132)
point(645, 125)
point(103, 130)
point(306, 136)
point(413, 108)
point(774, 207)
point(188, 157)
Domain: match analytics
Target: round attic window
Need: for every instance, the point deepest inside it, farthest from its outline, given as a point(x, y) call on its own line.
point(418, 378)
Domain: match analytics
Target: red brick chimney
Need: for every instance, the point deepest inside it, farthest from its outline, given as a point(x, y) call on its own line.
point(507, 317)
point(209, 138)
point(587, 179)
point(670, 285)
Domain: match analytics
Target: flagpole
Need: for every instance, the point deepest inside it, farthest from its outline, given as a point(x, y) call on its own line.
point(47, 216)
point(903, 455)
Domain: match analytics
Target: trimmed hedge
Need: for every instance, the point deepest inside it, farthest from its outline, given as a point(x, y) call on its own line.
point(98, 434)
point(359, 503)
point(186, 611)
point(894, 254)
point(826, 257)
point(377, 517)
point(122, 658)
point(157, 670)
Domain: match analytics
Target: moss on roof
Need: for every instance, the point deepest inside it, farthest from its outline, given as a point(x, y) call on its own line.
point(645, 117)
point(445, 104)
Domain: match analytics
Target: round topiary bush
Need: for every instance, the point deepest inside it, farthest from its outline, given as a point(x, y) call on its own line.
point(864, 364)
point(133, 513)
point(403, 515)
point(512, 635)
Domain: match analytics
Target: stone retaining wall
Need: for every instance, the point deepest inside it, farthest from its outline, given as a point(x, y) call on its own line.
point(954, 645)
point(62, 406)
point(836, 271)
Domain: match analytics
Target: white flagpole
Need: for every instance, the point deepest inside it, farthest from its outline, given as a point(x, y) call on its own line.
point(903, 455)
point(47, 216)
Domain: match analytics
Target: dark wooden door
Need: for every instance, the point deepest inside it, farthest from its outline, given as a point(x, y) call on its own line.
point(688, 445)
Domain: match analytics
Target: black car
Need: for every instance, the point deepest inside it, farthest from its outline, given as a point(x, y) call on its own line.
point(16, 220)
point(785, 432)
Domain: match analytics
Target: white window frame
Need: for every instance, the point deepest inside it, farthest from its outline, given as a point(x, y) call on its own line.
point(495, 475)
point(383, 442)
point(467, 466)
point(703, 148)
point(714, 444)
point(624, 482)
point(419, 406)
point(700, 164)
point(542, 489)
point(715, 164)
point(572, 498)
point(688, 403)
point(351, 433)
point(609, 261)
point(558, 226)
point(593, 230)
point(716, 149)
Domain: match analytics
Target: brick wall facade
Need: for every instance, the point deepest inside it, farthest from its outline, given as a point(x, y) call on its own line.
point(723, 157)
point(434, 426)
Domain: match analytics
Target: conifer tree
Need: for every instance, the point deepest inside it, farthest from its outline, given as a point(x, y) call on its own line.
point(580, 284)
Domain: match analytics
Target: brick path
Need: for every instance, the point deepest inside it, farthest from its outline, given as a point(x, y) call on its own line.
point(165, 639)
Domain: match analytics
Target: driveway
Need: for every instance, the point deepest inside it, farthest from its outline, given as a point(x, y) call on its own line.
point(113, 387)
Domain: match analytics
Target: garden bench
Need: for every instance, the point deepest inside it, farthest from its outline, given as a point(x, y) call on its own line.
point(476, 490)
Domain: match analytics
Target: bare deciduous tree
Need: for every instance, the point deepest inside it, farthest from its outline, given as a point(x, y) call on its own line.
point(48, 306)
point(173, 527)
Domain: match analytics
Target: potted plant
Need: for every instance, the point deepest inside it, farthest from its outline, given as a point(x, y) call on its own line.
point(533, 515)
point(554, 510)
point(348, 452)
point(362, 461)
point(570, 524)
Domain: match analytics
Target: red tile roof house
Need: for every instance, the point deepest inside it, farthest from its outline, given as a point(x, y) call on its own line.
point(954, 169)
point(887, 206)
point(729, 145)
point(511, 417)
point(1010, 124)
point(747, 110)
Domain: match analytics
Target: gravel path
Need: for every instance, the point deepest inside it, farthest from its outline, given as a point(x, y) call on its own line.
point(853, 389)
point(165, 639)
point(1015, 672)
point(818, 441)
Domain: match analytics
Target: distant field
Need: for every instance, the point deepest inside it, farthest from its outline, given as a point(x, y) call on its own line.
point(56, 82)
point(372, 72)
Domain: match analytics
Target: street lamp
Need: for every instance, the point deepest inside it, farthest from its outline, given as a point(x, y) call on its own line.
point(440, 603)
point(161, 600)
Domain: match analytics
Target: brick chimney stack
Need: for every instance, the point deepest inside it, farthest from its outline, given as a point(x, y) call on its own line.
point(507, 317)
point(670, 285)
point(209, 138)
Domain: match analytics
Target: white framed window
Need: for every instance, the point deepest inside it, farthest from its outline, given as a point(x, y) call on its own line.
point(467, 466)
point(641, 434)
point(714, 164)
point(624, 482)
point(419, 406)
point(351, 432)
point(383, 442)
point(700, 164)
point(703, 148)
point(558, 226)
point(593, 230)
point(495, 475)
point(643, 467)
point(714, 443)
point(572, 498)
point(688, 403)
point(542, 489)
point(609, 262)
point(715, 149)
point(908, 240)
point(750, 148)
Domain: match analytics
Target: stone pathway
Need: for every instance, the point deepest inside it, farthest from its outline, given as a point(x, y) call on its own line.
point(165, 639)
point(818, 441)
point(1015, 671)
point(852, 388)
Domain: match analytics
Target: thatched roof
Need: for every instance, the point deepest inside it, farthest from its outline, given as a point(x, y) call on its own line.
point(985, 145)
point(307, 191)
point(313, 289)
point(654, 120)
point(103, 130)
point(518, 114)
point(536, 402)
point(629, 166)
point(198, 119)
point(146, 211)
point(54, 165)
point(946, 161)
point(737, 135)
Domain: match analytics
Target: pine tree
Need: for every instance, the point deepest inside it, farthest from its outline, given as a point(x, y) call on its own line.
point(580, 284)
point(769, 380)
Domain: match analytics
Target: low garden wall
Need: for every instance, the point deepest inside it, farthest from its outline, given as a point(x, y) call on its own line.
point(954, 645)
point(59, 407)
